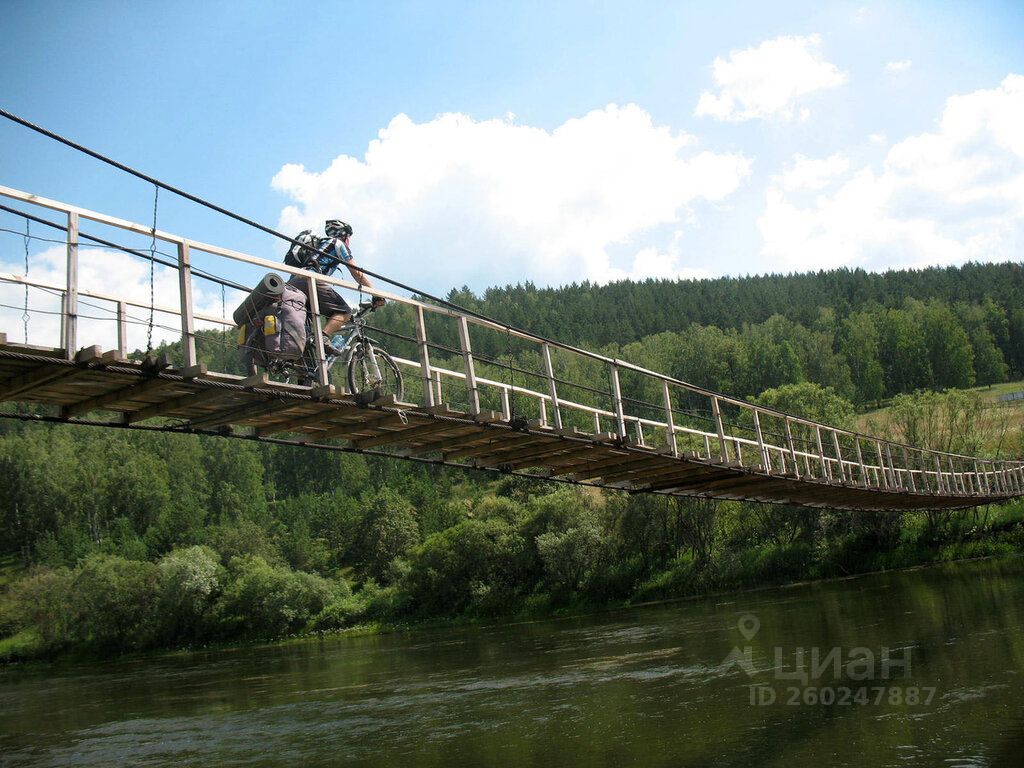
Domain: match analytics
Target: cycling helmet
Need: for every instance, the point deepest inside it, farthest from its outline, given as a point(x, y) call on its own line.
point(337, 228)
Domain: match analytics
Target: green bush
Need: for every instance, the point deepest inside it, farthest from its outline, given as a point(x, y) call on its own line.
point(190, 581)
point(473, 566)
point(111, 603)
point(266, 601)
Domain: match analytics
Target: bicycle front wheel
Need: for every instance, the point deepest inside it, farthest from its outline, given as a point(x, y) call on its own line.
point(372, 373)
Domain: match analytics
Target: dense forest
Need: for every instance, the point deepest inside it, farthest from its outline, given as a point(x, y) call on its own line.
point(116, 540)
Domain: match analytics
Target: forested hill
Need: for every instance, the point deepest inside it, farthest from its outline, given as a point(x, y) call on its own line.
point(589, 314)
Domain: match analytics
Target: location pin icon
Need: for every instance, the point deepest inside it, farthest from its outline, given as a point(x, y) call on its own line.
point(748, 625)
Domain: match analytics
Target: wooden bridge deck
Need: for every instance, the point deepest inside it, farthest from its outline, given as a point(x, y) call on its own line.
point(105, 389)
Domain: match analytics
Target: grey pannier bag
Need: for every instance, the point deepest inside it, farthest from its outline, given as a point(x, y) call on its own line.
point(277, 331)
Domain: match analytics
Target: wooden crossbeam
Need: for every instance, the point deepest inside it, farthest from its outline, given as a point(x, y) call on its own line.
point(465, 437)
point(500, 442)
point(141, 388)
point(358, 426)
point(653, 470)
point(692, 476)
point(410, 433)
point(543, 459)
point(205, 397)
point(320, 417)
point(611, 468)
point(47, 374)
point(513, 450)
point(243, 413)
point(526, 455)
point(606, 456)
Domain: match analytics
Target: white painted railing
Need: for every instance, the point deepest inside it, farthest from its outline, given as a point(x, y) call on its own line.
point(822, 453)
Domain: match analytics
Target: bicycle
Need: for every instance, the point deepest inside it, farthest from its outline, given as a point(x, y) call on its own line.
point(371, 372)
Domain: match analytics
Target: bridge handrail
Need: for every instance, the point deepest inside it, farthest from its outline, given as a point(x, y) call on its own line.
point(615, 365)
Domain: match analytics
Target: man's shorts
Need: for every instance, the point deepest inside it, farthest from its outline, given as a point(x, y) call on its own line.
point(330, 301)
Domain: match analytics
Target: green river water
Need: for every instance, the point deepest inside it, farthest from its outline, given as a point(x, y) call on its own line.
point(683, 684)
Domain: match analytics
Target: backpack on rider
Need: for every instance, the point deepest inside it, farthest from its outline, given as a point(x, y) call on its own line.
point(304, 255)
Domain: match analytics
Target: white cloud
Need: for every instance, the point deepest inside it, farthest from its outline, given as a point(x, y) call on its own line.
point(898, 66)
point(950, 196)
point(103, 272)
point(807, 173)
point(768, 81)
point(458, 201)
point(877, 138)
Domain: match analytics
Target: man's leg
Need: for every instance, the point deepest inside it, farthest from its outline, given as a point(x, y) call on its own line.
point(335, 323)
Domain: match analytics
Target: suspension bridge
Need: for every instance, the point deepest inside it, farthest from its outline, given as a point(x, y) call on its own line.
point(643, 432)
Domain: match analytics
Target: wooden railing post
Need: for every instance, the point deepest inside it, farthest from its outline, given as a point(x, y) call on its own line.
point(421, 341)
point(910, 473)
point(318, 334)
point(188, 331)
point(122, 329)
point(826, 473)
point(839, 455)
point(881, 465)
point(865, 480)
point(552, 389)
point(620, 414)
point(897, 480)
point(792, 448)
point(467, 357)
point(716, 412)
point(766, 463)
point(670, 423)
point(69, 338)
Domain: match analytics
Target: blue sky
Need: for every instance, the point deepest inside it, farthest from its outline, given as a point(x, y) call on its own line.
point(552, 142)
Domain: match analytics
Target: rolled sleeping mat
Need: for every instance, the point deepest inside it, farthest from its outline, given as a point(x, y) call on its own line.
point(267, 291)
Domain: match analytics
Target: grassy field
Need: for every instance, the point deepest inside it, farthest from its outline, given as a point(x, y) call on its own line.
point(876, 421)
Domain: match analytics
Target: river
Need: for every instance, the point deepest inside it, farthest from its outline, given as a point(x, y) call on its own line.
point(912, 668)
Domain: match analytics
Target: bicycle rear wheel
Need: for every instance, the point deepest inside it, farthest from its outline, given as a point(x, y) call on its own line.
point(372, 373)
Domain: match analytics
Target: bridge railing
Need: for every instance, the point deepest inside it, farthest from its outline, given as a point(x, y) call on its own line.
point(561, 387)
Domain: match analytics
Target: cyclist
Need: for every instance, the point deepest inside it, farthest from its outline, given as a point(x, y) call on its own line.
point(334, 251)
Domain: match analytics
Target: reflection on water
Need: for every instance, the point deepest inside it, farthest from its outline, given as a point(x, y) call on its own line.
point(649, 686)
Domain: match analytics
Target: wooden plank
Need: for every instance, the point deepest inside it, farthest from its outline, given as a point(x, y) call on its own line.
point(500, 445)
point(410, 433)
point(545, 459)
point(598, 452)
point(141, 388)
point(464, 437)
point(653, 471)
point(320, 417)
point(184, 402)
point(526, 455)
point(511, 448)
point(46, 374)
point(243, 413)
point(359, 426)
point(604, 468)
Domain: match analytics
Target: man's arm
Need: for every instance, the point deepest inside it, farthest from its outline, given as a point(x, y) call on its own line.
point(357, 274)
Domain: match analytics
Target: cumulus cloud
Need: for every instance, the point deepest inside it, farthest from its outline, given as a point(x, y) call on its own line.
point(769, 81)
point(808, 173)
point(456, 201)
point(105, 272)
point(948, 196)
point(898, 66)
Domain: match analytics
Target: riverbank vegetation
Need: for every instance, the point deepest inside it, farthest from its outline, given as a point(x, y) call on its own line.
point(115, 540)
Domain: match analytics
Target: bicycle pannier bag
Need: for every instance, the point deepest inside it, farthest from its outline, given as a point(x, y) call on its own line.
point(279, 333)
